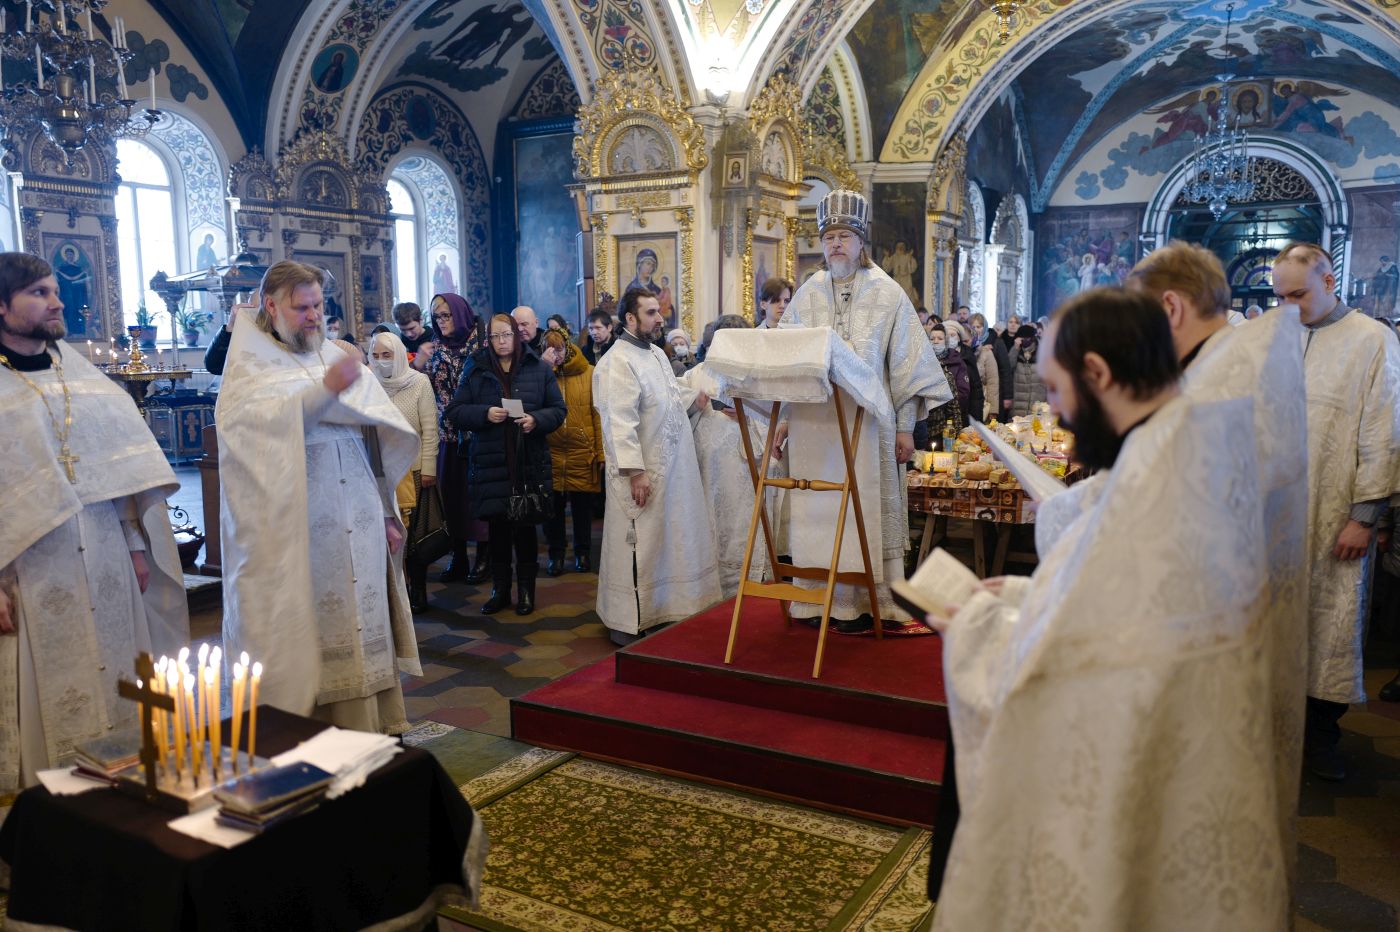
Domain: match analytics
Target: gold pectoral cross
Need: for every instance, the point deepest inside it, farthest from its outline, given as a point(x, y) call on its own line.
point(67, 458)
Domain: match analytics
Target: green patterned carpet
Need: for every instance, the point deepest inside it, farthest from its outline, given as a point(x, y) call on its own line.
point(583, 845)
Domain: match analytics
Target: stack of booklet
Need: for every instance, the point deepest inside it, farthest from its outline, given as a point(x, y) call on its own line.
point(350, 755)
point(102, 758)
point(260, 800)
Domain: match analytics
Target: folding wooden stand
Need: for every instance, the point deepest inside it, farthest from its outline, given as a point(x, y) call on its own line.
point(781, 589)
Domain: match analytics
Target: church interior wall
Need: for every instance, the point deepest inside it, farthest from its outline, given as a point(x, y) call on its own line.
point(1375, 236)
point(1078, 247)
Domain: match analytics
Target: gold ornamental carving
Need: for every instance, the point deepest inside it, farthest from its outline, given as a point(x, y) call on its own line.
point(643, 201)
point(632, 95)
point(748, 266)
point(949, 180)
point(685, 218)
point(309, 149)
point(780, 102)
point(601, 242)
point(826, 158)
point(793, 224)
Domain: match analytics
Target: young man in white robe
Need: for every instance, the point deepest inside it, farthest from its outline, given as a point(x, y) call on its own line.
point(89, 573)
point(1352, 367)
point(1261, 360)
point(658, 561)
point(1113, 768)
point(310, 450)
point(871, 312)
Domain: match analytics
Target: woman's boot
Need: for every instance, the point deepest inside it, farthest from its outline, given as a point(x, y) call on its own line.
point(460, 566)
point(525, 588)
point(418, 589)
point(477, 574)
point(500, 589)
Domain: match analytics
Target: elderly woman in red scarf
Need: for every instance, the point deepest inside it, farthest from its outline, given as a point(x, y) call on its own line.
point(455, 339)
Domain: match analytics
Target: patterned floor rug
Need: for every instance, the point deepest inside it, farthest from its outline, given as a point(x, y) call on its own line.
point(588, 846)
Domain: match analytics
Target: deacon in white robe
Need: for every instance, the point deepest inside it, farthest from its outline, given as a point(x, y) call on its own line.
point(1352, 367)
point(1260, 360)
point(658, 561)
point(1114, 770)
point(310, 450)
point(870, 311)
point(89, 572)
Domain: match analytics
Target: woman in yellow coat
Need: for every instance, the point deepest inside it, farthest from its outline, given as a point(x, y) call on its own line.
point(577, 452)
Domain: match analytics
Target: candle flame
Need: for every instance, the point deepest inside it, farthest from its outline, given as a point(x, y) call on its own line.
point(203, 653)
point(243, 659)
point(184, 655)
point(216, 656)
point(208, 676)
point(237, 670)
point(257, 670)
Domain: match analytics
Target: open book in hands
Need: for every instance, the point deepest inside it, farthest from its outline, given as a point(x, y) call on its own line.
point(939, 587)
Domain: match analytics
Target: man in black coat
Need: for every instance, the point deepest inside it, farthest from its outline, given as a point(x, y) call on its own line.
point(507, 456)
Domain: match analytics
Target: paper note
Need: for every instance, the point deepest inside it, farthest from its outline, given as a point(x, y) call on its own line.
point(514, 406)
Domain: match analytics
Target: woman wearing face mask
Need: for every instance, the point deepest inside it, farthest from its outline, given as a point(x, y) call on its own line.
point(994, 366)
point(926, 434)
point(412, 394)
point(960, 342)
point(679, 342)
point(1027, 389)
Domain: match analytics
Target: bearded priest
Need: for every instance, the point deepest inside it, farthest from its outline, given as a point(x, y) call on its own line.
point(89, 573)
point(1114, 769)
point(310, 451)
point(871, 312)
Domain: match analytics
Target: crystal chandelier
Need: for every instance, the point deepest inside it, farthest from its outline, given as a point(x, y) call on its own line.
point(1220, 167)
point(64, 60)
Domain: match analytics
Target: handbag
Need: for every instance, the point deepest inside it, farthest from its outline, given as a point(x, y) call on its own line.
point(529, 502)
point(428, 540)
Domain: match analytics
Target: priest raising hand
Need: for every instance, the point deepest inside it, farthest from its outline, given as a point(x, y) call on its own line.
point(342, 375)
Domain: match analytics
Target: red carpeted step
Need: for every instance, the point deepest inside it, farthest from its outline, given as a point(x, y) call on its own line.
point(895, 683)
point(882, 773)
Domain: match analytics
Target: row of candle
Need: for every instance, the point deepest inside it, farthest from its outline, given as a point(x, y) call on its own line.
point(113, 356)
point(196, 720)
point(60, 23)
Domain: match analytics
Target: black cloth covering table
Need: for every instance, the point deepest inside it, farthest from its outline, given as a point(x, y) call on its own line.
point(105, 860)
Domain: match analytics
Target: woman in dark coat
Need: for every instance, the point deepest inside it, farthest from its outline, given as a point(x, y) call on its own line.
point(507, 454)
point(454, 342)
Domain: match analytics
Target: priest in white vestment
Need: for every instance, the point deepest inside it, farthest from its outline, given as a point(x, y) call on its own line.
point(1113, 767)
point(89, 573)
point(1261, 360)
point(658, 562)
point(872, 313)
point(310, 450)
point(1352, 366)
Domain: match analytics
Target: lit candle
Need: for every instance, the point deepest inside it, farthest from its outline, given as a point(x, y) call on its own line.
point(90, 32)
point(240, 673)
point(196, 743)
point(216, 664)
point(172, 684)
point(211, 719)
point(89, 349)
point(253, 715)
point(162, 737)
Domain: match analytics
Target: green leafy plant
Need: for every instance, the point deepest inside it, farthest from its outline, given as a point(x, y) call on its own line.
point(192, 320)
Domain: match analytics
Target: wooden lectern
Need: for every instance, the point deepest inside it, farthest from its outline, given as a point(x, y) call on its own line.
point(783, 588)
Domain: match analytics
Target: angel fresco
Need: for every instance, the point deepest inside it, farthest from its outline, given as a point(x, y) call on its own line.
point(1189, 113)
point(1300, 111)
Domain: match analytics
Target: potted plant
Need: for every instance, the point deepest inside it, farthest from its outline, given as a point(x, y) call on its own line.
point(146, 320)
point(191, 323)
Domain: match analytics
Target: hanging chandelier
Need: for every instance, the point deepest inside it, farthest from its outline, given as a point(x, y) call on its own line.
point(64, 59)
point(1221, 168)
point(1005, 11)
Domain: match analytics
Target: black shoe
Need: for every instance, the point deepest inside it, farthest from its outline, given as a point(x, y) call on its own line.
point(1390, 692)
point(500, 590)
point(861, 625)
point(418, 590)
point(583, 564)
point(460, 567)
point(555, 567)
point(479, 569)
point(1326, 764)
point(525, 589)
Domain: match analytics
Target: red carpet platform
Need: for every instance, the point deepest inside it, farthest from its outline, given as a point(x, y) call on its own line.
point(868, 737)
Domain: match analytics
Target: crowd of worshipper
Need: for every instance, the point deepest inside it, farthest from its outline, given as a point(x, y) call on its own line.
point(1129, 723)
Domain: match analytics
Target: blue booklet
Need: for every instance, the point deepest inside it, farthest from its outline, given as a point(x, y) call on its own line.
point(272, 788)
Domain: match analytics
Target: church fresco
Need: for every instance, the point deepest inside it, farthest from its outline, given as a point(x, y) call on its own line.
point(1354, 133)
point(546, 262)
point(72, 261)
point(334, 68)
point(467, 55)
point(1084, 248)
point(897, 234)
point(1375, 249)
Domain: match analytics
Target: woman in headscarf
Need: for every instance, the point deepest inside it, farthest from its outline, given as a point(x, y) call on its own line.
point(412, 394)
point(507, 455)
point(1027, 388)
point(927, 433)
point(576, 451)
point(454, 341)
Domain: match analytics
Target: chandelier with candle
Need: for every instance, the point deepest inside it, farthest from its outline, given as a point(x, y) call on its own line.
point(1220, 169)
point(71, 74)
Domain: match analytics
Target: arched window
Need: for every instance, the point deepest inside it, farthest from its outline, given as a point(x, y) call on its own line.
point(407, 267)
point(146, 229)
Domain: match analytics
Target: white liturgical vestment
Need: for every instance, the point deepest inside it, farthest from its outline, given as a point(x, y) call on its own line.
point(658, 563)
point(65, 560)
point(1262, 360)
point(1114, 768)
point(1353, 379)
point(309, 588)
point(880, 324)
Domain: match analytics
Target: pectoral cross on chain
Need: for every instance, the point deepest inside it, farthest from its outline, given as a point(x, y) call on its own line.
point(141, 692)
point(67, 458)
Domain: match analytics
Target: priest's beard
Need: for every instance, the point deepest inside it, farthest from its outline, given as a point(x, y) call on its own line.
point(842, 267)
point(41, 330)
point(299, 341)
point(1096, 443)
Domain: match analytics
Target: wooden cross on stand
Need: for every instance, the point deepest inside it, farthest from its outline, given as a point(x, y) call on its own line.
point(141, 692)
